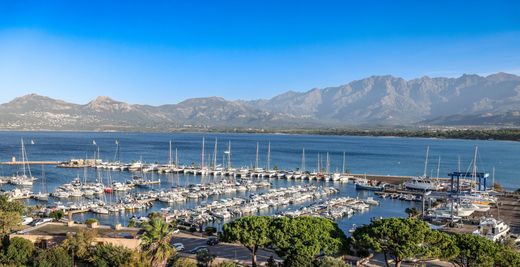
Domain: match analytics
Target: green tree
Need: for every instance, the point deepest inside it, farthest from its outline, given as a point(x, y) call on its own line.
point(10, 214)
point(19, 251)
point(403, 239)
point(474, 251)
point(184, 262)
point(109, 255)
point(307, 235)
point(298, 260)
point(205, 258)
point(14, 206)
point(330, 262)
point(226, 264)
point(412, 212)
point(53, 257)
point(253, 232)
point(156, 241)
point(79, 243)
point(57, 214)
point(9, 220)
point(506, 257)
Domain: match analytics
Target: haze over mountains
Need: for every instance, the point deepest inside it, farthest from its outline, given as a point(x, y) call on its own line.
point(373, 101)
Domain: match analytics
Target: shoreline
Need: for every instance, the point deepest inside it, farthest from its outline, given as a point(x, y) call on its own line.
point(503, 134)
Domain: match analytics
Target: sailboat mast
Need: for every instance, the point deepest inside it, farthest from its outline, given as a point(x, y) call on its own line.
point(303, 160)
point(215, 154)
point(170, 154)
point(343, 167)
point(459, 163)
point(327, 166)
point(256, 159)
point(474, 172)
point(229, 155)
point(202, 155)
point(438, 167)
point(176, 158)
point(426, 161)
point(318, 163)
point(493, 178)
point(23, 157)
point(268, 156)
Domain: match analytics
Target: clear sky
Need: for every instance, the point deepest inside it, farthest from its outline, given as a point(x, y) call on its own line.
point(154, 52)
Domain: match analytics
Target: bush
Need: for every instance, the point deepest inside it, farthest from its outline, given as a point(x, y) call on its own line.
point(205, 258)
point(226, 264)
point(298, 260)
point(330, 262)
point(54, 257)
point(184, 262)
point(91, 221)
point(193, 229)
point(110, 255)
point(19, 251)
point(57, 214)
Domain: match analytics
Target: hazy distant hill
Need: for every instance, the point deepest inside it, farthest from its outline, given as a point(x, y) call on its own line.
point(376, 100)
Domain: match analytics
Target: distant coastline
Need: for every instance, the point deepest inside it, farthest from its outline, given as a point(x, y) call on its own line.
point(502, 134)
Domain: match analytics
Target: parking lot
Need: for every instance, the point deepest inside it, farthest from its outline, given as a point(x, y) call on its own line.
point(231, 252)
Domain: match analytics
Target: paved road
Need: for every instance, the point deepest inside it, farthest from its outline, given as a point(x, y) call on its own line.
point(231, 252)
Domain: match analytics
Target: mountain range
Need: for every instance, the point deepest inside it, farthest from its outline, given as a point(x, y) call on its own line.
point(492, 100)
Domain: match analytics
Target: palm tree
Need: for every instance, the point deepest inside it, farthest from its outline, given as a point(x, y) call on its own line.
point(156, 241)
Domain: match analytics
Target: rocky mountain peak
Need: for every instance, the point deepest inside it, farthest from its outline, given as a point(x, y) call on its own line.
point(105, 103)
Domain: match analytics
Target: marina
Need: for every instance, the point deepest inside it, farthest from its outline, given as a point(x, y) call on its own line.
point(221, 185)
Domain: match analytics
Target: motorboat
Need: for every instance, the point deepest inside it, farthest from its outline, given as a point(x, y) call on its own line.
point(493, 229)
point(422, 183)
point(364, 184)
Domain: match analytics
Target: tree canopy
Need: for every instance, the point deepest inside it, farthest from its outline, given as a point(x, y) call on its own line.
point(403, 239)
point(295, 238)
point(19, 251)
point(53, 257)
point(108, 255)
point(253, 232)
point(10, 214)
point(475, 251)
point(306, 235)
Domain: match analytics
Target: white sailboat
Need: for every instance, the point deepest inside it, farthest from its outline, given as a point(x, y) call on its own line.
point(43, 195)
point(26, 178)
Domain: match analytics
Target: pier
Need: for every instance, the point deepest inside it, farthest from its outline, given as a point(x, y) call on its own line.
point(30, 163)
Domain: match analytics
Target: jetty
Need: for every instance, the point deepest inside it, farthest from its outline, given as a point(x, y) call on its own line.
point(30, 163)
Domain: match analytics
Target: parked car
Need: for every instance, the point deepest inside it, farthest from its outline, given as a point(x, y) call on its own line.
point(212, 240)
point(178, 246)
point(42, 221)
point(197, 249)
point(176, 231)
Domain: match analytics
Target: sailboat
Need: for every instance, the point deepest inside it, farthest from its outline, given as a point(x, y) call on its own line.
point(423, 183)
point(26, 178)
point(42, 196)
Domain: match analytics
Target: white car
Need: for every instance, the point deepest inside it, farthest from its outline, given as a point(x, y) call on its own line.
point(27, 220)
point(178, 246)
point(42, 221)
point(176, 231)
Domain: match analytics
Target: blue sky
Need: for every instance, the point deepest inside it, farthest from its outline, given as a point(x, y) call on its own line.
point(154, 52)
